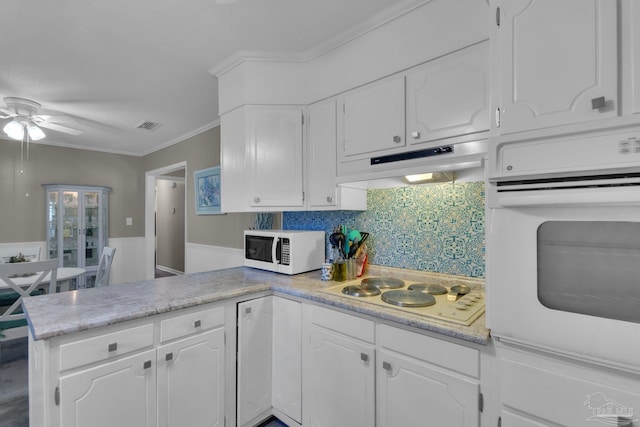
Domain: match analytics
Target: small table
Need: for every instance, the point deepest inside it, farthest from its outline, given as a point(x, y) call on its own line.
point(64, 275)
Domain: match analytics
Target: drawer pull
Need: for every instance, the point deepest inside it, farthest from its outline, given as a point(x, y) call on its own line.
point(386, 366)
point(168, 357)
point(146, 364)
point(247, 310)
point(364, 357)
point(113, 346)
point(197, 323)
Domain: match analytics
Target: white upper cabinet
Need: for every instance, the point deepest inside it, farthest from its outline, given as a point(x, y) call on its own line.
point(449, 97)
point(274, 156)
point(372, 118)
point(631, 56)
point(261, 158)
point(556, 62)
point(321, 160)
point(324, 192)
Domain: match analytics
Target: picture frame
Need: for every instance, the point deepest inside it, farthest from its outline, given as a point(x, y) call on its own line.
point(206, 184)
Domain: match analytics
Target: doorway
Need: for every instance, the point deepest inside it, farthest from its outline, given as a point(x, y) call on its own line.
point(169, 224)
point(151, 178)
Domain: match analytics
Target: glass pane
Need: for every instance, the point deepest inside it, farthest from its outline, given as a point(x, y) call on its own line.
point(52, 221)
point(70, 228)
point(590, 267)
point(92, 235)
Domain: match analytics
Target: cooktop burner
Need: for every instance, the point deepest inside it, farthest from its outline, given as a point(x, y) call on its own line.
point(407, 298)
point(428, 288)
point(361, 290)
point(458, 304)
point(383, 282)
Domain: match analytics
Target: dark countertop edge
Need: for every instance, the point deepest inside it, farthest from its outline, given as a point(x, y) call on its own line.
point(475, 333)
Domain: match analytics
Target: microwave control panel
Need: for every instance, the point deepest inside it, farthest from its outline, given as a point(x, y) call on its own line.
point(286, 250)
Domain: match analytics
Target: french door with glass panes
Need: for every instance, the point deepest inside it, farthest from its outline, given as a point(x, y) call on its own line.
point(77, 220)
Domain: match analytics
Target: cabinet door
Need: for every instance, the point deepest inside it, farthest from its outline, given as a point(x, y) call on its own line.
point(373, 119)
point(631, 55)
point(119, 393)
point(449, 97)
point(233, 169)
point(274, 151)
point(410, 392)
point(321, 143)
point(339, 381)
point(287, 358)
point(191, 381)
point(555, 58)
point(254, 358)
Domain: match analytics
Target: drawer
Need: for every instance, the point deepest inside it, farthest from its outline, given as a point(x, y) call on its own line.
point(105, 346)
point(431, 350)
point(187, 324)
point(341, 323)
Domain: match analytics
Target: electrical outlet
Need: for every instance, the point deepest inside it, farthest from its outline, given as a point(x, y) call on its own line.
point(129, 221)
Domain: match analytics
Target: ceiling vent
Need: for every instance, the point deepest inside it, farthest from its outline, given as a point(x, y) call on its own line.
point(147, 125)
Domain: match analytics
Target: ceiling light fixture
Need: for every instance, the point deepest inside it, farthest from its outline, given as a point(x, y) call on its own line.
point(14, 129)
point(17, 130)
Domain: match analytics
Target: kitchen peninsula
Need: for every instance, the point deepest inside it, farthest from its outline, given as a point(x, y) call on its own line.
point(134, 336)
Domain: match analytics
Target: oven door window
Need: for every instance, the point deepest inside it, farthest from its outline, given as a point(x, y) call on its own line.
point(590, 267)
point(258, 248)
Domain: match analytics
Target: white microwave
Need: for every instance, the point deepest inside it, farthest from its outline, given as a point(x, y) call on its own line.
point(284, 251)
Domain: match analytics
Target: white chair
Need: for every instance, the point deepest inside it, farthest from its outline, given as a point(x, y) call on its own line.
point(104, 267)
point(13, 322)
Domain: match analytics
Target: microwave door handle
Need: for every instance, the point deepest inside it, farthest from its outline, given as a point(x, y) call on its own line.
point(274, 251)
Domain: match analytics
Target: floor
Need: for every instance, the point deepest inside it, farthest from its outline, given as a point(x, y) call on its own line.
point(14, 394)
point(161, 273)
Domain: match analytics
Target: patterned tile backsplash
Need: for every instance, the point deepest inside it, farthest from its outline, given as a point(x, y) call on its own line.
point(432, 227)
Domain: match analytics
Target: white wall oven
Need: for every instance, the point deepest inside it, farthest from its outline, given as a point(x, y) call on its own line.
point(564, 247)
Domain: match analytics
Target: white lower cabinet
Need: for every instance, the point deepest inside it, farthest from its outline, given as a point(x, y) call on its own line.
point(413, 390)
point(359, 373)
point(169, 371)
point(269, 373)
point(338, 369)
point(118, 393)
point(190, 377)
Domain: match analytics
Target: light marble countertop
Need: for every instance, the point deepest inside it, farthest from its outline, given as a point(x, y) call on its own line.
point(68, 312)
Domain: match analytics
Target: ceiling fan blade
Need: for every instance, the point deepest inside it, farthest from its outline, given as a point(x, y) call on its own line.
point(6, 113)
point(58, 128)
point(67, 120)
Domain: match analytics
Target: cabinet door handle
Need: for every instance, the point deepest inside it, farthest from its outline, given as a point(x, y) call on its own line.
point(197, 324)
point(498, 117)
point(329, 199)
point(256, 200)
point(113, 347)
point(598, 103)
point(146, 364)
point(247, 310)
point(386, 366)
point(168, 357)
point(364, 357)
point(415, 134)
point(397, 139)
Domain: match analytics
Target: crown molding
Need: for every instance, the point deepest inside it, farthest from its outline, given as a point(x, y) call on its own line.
point(341, 39)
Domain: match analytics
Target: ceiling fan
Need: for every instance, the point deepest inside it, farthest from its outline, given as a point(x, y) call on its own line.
point(27, 123)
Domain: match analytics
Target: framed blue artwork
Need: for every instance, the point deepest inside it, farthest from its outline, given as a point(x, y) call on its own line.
point(206, 183)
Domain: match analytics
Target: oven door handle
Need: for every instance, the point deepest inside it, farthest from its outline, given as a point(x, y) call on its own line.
point(611, 196)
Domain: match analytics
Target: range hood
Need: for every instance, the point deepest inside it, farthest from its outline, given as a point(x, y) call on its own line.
point(465, 159)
